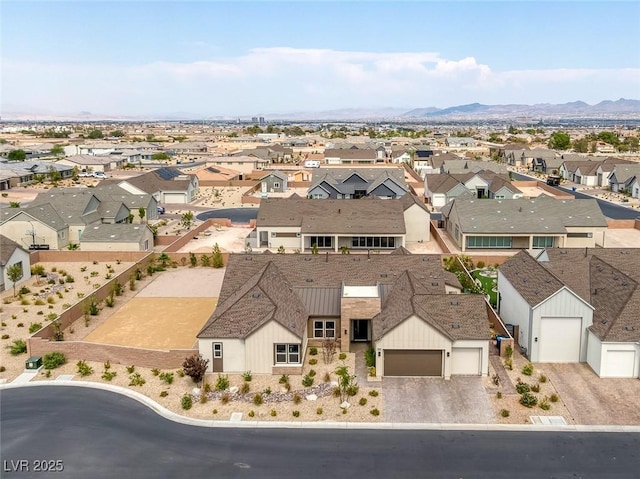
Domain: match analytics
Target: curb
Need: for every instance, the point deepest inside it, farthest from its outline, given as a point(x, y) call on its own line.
point(171, 416)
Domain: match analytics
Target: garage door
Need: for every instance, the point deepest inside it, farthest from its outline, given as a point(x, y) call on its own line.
point(559, 340)
point(174, 198)
point(412, 362)
point(619, 364)
point(465, 361)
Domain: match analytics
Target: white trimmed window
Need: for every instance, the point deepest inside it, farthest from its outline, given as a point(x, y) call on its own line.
point(287, 353)
point(324, 328)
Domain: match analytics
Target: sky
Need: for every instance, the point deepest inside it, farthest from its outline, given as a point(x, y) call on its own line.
point(242, 58)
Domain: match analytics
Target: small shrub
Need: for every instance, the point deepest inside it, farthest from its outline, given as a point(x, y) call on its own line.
point(39, 302)
point(363, 401)
point(342, 356)
point(186, 402)
point(225, 398)
point(66, 306)
point(373, 393)
point(215, 411)
point(480, 264)
point(527, 369)
point(313, 361)
point(136, 380)
point(372, 371)
point(528, 400)
point(5, 336)
point(522, 387)
point(131, 369)
point(107, 365)
point(47, 374)
point(336, 392)
point(247, 376)
point(25, 302)
point(554, 398)
point(167, 378)
point(18, 347)
point(296, 413)
point(258, 399)
point(284, 379)
point(297, 399)
point(164, 394)
point(273, 413)
point(542, 378)
point(206, 387)
point(108, 375)
point(52, 316)
point(535, 388)
point(267, 391)
point(51, 300)
point(2, 369)
point(327, 377)
point(53, 360)
point(313, 351)
point(312, 373)
point(504, 413)
point(203, 398)
point(39, 313)
point(222, 383)
point(245, 388)
point(155, 371)
point(24, 290)
point(83, 369)
point(508, 363)
point(307, 381)
point(250, 413)
point(69, 279)
point(544, 404)
point(180, 373)
point(375, 412)
point(319, 411)
point(370, 357)
point(352, 390)
point(499, 395)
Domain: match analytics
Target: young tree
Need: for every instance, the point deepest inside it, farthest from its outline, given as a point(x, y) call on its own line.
point(218, 261)
point(195, 367)
point(163, 259)
point(14, 273)
point(559, 141)
point(141, 213)
point(187, 219)
point(117, 133)
point(37, 270)
point(16, 155)
point(160, 157)
point(57, 150)
point(95, 134)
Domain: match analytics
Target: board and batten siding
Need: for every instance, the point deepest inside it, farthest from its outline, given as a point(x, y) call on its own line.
point(233, 354)
point(259, 346)
point(563, 304)
point(598, 357)
point(483, 345)
point(413, 333)
point(291, 241)
point(514, 310)
point(594, 352)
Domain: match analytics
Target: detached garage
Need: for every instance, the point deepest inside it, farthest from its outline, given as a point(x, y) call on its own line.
point(413, 362)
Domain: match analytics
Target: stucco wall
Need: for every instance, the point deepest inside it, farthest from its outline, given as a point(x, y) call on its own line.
point(233, 354)
point(259, 346)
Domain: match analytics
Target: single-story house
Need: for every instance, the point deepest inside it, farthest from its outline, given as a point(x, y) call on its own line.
point(583, 172)
point(351, 156)
point(623, 177)
point(274, 182)
point(93, 163)
point(35, 227)
point(244, 164)
point(542, 222)
point(11, 253)
point(576, 306)
point(335, 225)
point(117, 237)
point(460, 142)
point(272, 307)
point(167, 185)
point(442, 188)
point(355, 183)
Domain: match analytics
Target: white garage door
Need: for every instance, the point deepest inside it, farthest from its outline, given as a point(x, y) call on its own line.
point(559, 340)
point(619, 364)
point(466, 361)
point(174, 198)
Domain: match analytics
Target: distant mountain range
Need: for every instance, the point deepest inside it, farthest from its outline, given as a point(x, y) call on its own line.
point(619, 109)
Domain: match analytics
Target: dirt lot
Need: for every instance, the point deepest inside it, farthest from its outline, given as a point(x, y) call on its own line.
point(155, 323)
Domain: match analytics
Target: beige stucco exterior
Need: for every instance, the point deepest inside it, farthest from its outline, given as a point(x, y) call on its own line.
point(259, 347)
point(21, 227)
point(233, 354)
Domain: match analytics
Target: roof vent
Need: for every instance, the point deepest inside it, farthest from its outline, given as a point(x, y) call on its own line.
point(307, 258)
point(383, 275)
point(356, 259)
point(248, 258)
point(455, 326)
point(604, 321)
point(309, 280)
point(455, 303)
point(255, 295)
point(434, 284)
point(630, 328)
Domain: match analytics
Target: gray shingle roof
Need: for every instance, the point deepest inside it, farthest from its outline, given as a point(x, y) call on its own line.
point(114, 233)
point(44, 213)
point(7, 247)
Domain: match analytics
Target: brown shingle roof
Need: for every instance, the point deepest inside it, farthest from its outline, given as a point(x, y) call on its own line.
point(7, 247)
point(532, 280)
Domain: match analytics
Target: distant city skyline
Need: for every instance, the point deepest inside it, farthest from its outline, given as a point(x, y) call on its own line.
point(242, 58)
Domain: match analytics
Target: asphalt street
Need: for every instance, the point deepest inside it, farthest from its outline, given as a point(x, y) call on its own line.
point(236, 215)
point(610, 210)
point(99, 434)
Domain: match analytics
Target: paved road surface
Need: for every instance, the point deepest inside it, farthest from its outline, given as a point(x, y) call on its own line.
point(610, 210)
point(236, 215)
point(98, 434)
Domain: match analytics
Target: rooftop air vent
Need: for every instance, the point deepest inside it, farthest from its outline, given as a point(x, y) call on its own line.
point(307, 258)
point(309, 280)
point(455, 303)
point(455, 326)
point(630, 328)
point(255, 295)
point(383, 275)
point(434, 284)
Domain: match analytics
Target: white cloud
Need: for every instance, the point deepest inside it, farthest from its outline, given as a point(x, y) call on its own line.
point(282, 79)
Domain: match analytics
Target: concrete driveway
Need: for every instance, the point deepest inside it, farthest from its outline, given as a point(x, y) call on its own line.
point(593, 400)
point(461, 400)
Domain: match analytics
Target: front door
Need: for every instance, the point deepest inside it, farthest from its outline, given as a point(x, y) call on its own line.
point(217, 358)
point(360, 330)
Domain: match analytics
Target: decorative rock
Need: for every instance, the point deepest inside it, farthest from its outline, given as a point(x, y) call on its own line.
point(312, 397)
point(233, 389)
point(195, 391)
point(334, 384)
point(345, 405)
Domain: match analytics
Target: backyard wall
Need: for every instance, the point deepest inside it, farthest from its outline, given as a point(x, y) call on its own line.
point(183, 240)
point(50, 256)
point(435, 234)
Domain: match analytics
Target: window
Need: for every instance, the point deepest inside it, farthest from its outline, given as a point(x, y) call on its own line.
point(287, 353)
point(324, 329)
point(540, 242)
point(489, 242)
point(373, 242)
point(579, 235)
point(321, 241)
point(217, 350)
point(276, 184)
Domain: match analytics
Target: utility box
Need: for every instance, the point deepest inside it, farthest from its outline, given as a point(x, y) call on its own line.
point(34, 362)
